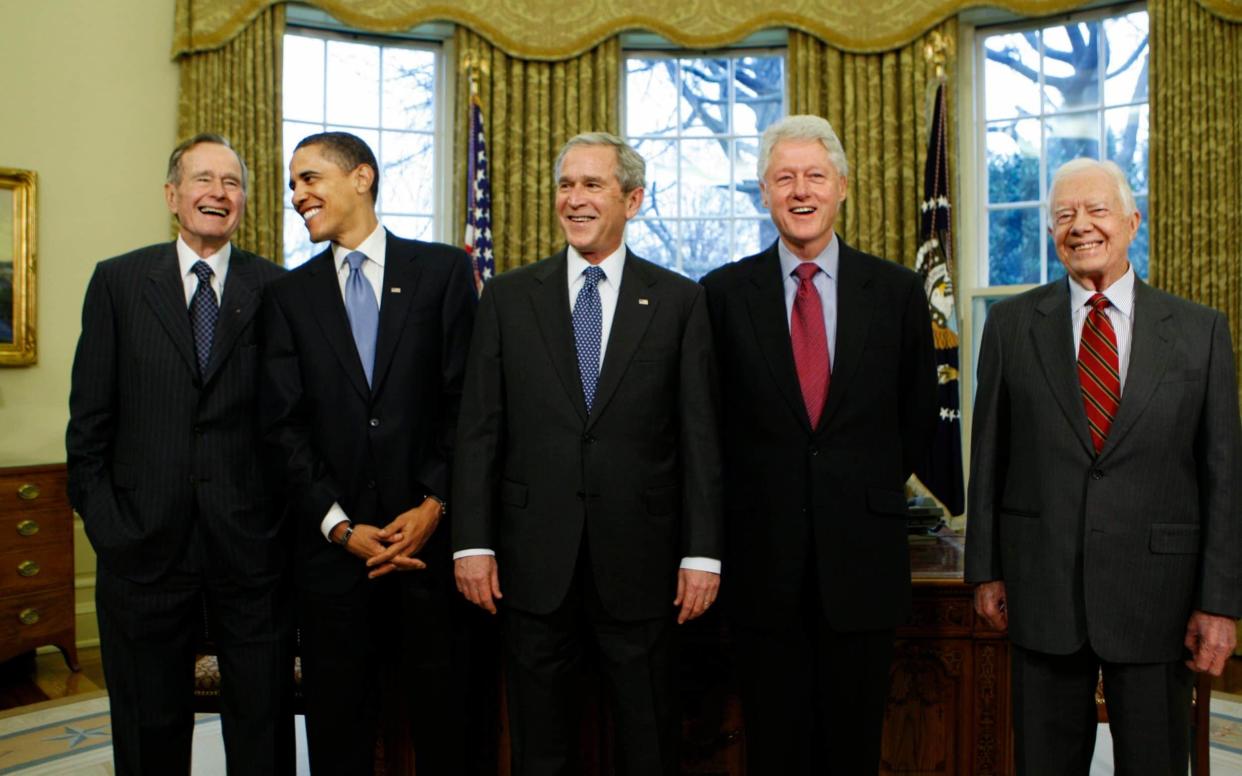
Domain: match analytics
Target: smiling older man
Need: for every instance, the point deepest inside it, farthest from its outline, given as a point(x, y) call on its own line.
point(166, 473)
point(1105, 499)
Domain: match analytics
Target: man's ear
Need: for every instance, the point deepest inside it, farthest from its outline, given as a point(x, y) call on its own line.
point(170, 197)
point(364, 176)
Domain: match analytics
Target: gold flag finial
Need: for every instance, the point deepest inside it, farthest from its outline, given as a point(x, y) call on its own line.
point(937, 51)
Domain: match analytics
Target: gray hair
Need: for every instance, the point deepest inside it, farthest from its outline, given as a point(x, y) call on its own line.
point(802, 127)
point(631, 168)
point(1085, 163)
point(174, 159)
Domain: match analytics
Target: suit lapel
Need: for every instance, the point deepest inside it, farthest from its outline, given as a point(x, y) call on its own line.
point(165, 293)
point(766, 300)
point(854, 311)
point(1150, 344)
point(1053, 336)
point(323, 291)
point(401, 272)
point(550, 303)
point(629, 323)
point(238, 305)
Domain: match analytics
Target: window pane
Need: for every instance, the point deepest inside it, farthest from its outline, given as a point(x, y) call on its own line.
point(410, 227)
point(1013, 246)
point(651, 96)
point(1071, 66)
point(353, 84)
point(294, 131)
point(302, 87)
point(751, 236)
point(653, 240)
point(1126, 134)
point(407, 179)
point(660, 198)
point(1056, 270)
point(704, 246)
point(1126, 58)
point(705, 178)
point(746, 198)
point(1011, 75)
point(1013, 161)
point(759, 92)
point(409, 88)
point(298, 246)
point(704, 96)
point(1068, 137)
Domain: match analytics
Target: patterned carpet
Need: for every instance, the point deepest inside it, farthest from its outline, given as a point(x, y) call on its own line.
point(72, 738)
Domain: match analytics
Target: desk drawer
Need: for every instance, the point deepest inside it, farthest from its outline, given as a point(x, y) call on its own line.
point(24, 569)
point(32, 618)
point(36, 487)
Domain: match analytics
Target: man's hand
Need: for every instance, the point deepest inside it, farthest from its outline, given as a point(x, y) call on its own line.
point(478, 579)
point(366, 541)
point(990, 604)
point(1211, 640)
point(404, 536)
point(696, 591)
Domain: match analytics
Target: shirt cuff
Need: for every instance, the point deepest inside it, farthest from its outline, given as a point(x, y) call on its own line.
point(701, 564)
point(335, 515)
point(474, 551)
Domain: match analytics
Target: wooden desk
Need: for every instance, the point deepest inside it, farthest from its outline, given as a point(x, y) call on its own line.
point(948, 706)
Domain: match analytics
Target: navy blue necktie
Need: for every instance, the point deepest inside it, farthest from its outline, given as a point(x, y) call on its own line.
point(588, 319)
point(204, 311)
point(363, 311)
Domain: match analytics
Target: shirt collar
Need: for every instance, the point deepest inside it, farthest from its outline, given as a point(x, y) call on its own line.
point(613, 265)
point(828, 260)
point(187, 258)
point(1120, 294)
point(375, 247)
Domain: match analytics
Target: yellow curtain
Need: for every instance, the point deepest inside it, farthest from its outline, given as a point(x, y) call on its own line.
point(234, 90)
point(880, 105)
point(1195, 157)
point(530, 109)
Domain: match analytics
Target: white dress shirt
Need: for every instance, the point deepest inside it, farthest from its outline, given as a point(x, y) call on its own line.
point(609, 287)
point(218, 261)
point(376, 248)
point(1120, 312)
point(825, 282)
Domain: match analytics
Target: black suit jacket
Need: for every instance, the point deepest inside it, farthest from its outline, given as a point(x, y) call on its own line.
point(832, 494)
point(1115, 549)
point(376, 450)
point(637, 480)
point(152, 447)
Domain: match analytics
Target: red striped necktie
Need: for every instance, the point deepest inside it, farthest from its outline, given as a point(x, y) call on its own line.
point(1098, 371)
point(810, 343)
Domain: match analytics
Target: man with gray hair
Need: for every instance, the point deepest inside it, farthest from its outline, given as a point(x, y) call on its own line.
point(829, 399)
point(165, 469)
point(1105, 498)
point(587, 483)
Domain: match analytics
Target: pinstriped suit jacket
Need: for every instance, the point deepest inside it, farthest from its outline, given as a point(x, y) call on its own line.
point(151, 446)
point(1115, 550)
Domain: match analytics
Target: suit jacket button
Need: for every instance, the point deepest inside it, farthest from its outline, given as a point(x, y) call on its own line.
point(371, 484)
point(1096, 474)
point(198, 429)
point(814, 450)
point(587, 439)
point(374, 422)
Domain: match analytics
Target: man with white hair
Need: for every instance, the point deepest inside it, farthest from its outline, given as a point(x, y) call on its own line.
point(1105, 516)
point(829, 398)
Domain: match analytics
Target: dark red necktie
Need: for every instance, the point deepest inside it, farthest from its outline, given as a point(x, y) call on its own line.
point(1098, 371)
point(810, 342)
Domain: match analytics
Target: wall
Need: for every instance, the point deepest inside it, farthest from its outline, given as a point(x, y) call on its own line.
point(90, 104)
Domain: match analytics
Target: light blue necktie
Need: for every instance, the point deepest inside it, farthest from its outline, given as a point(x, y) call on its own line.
point(588, 320)
point(363, 311)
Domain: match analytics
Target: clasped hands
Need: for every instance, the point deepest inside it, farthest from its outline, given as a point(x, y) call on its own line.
point(392, 547)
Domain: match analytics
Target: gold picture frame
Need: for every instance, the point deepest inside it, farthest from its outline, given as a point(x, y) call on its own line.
point(17, 267)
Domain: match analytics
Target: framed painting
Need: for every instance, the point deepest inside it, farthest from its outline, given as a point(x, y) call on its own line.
point(17, 267)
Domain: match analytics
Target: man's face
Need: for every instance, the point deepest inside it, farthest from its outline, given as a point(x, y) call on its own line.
point(1091, 233)
point(208, 200)
point(335, 203)
point(589, 201)
point(803, 191)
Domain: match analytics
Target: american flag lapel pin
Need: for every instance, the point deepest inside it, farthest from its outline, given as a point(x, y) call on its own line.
point(395, 289)
point(643, 301)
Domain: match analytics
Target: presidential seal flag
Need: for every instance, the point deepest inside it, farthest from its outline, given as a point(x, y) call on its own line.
point(478, 241)
point(942, 471)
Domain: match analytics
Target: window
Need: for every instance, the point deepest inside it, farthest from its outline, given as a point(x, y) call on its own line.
point(1045, 94)
point(697, 122)
point(385, 92)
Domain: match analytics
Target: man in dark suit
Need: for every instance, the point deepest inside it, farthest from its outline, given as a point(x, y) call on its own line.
point(1105, 515)
point(164, 469)
point(829, 401)
point(364, 355)
point(588, 473)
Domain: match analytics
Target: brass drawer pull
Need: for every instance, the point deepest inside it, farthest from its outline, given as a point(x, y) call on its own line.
point(28, 491)
point(28, 568)
point(28, 616)
point(28, 528)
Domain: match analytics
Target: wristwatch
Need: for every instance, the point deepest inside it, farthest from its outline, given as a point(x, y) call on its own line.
point(349, 531)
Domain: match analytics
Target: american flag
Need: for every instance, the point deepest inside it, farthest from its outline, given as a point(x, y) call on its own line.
point(478, 200)
point(942, 472)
